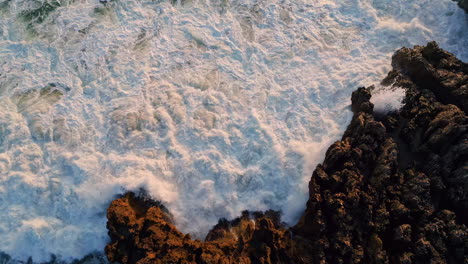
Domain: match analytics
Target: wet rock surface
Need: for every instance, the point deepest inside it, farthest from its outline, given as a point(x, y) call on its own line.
point(394, 189)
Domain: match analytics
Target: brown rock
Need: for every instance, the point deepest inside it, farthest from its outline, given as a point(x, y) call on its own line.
point(142, 232)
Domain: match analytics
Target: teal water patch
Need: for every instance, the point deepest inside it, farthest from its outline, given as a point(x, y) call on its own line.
point(4, 5)
point(40, 12)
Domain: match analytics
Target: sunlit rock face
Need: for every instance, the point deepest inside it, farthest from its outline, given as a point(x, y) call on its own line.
point(392, 190)
point(142, 232)
point(212, 106)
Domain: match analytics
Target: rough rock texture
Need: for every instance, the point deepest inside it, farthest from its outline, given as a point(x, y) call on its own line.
point(393, 190)
point(436, 70)
point(142, 232)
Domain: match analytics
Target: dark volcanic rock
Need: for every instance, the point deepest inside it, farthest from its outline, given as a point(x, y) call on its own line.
point(436, 134)
point(391, 194)
point(392, 190)
point(434, 69)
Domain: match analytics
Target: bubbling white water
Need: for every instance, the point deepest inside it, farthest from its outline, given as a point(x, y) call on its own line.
point(387, 99)
point(213, 106)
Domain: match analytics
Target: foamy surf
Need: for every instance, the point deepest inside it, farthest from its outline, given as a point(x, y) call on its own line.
point(212, 106)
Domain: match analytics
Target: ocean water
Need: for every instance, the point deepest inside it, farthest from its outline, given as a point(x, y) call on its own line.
point(212, 106)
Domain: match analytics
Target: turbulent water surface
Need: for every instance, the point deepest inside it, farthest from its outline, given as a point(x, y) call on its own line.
point(213, 106)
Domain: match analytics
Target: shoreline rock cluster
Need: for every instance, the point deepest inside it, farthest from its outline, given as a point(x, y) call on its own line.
point(394, 189)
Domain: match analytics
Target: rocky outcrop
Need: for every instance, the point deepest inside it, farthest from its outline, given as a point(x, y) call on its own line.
point(435, 70)
point(142, 232)
point(394, 189)
point(435, 134)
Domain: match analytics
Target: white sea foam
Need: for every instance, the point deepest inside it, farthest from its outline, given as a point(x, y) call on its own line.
point(387, 99)
point(213, 106)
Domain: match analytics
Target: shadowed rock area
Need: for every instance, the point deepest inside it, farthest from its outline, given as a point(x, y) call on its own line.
point(393, 190)
point(463, 4)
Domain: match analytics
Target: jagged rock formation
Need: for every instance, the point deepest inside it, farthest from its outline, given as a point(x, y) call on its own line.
point(384, 192)
point(142, 232)
point(393, 190)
